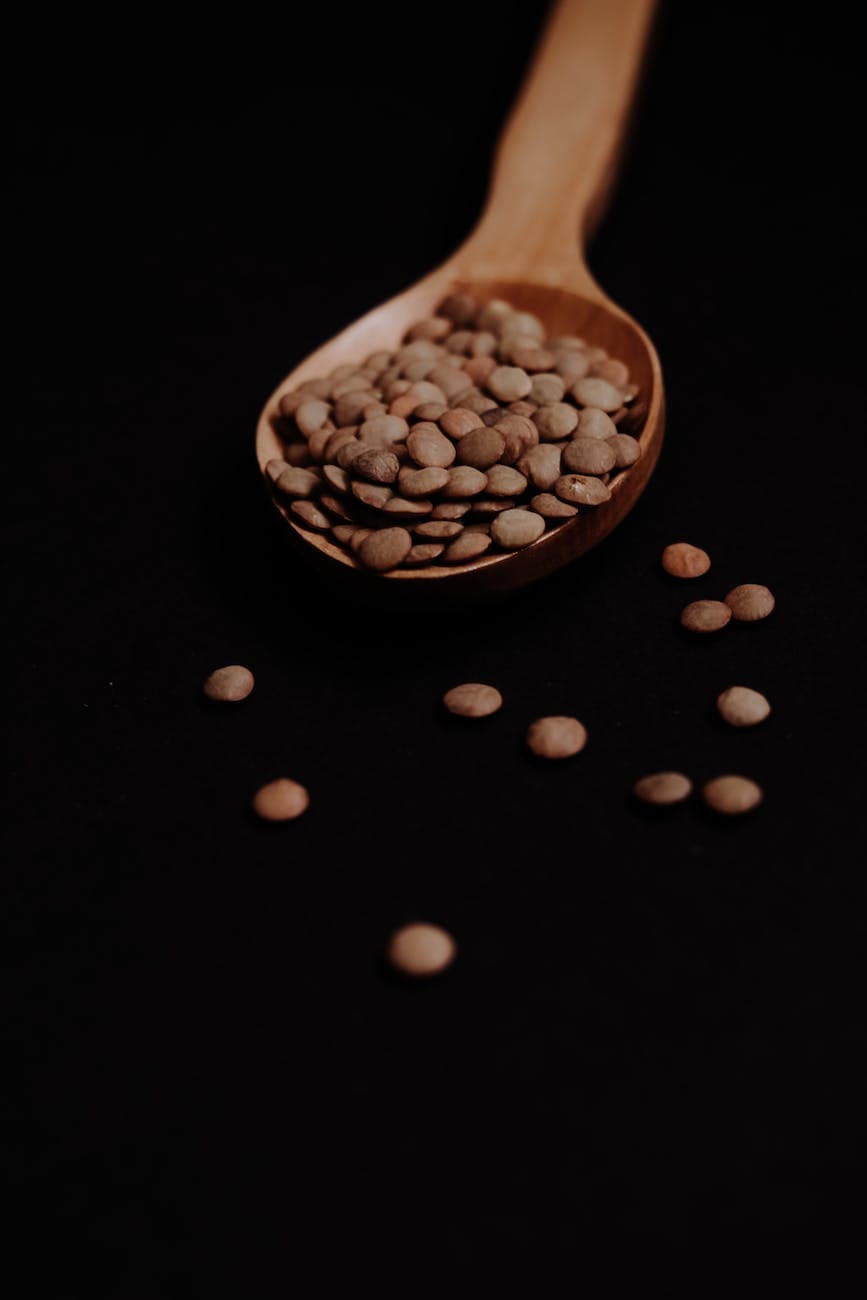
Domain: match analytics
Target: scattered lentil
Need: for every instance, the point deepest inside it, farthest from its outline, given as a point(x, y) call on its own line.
point(750, 602)
point(229, 684)
point(732, 795)
point(663, 788)
point(421, 950)
point(705, 616)
point(281, 801)
point(742, 707)
point(682, 560)
point(556, 737)
point(473, 700)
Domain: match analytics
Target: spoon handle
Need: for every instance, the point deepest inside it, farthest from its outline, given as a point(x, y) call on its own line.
point(557, 156)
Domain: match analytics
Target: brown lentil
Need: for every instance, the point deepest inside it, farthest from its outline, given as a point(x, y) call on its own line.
point(508, 383)
point(663, 788)
point(281, 801)
point(430, 448)
point(555, 421)
point(275, 468)
point(627, 450)
point(376, 466)
point(546, 390)
point(597, 392)
point(541, 464)
point(556, 737)
point(589, 456)
point(593, 423)
point(503, 481)
point(750, 602)
point(514, 529)
point(440, 529)
point(336, 507)
point(424, 553)
point(371, 494)
point(459, 422)
point(298, 482)
point(401, 508)
point(421, 950)
point(731, 795)
point(451, 510)
point(385, 549)
point(230, 684)
point(551, 507)
point(311, 416)
point(742, 707)
point(310, 515)
point(684, 561)
point(705, 616)
point(469, 546)
point(422, 482)
point(473, 700)
point(460, 308)
point(616, 372)
point(430, 411)
point(464, 481)
point(581, 490)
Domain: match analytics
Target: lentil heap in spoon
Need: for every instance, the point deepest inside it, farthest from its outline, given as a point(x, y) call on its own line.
point(477, 433)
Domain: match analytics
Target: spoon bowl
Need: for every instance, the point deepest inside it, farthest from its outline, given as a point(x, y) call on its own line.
point(589, 315)
point(553, 170)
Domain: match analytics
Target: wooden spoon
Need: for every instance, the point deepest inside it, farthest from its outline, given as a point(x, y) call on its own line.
point(553, 169)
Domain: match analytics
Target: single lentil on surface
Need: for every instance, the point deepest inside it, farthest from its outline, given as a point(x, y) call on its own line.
point(229, 684)
point(421, 950)
point(750, 602)
point(705, 616)
point(731, 795)
point(556, 737)
point(740, 706)
point(473, 700)
point(682, 560)
point(662, 788)
point(281, 801)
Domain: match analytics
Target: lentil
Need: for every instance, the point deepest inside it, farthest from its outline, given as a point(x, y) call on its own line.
point(281, 801)
point(684, 561)
point(421, 950)
point(514, 529)
point(556, 737)
point(742, 707)
point(705, 616)
point(750, 602)
point(469, 546)
point(732, 795)
point(385, 549)
point(589, 456)
point(663, 788)
point(473, 700)
point(230, 684)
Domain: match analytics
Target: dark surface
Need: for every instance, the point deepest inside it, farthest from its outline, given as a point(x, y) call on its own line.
point(648, 1053)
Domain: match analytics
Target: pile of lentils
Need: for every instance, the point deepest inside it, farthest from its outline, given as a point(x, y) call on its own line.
point(478, 432)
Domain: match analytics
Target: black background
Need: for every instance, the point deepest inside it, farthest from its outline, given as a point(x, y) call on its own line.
point(647, 1057)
